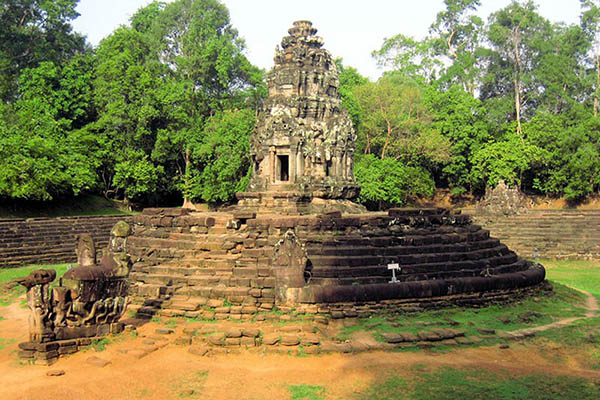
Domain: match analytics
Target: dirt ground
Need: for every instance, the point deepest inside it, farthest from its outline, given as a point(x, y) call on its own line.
point(172, 372)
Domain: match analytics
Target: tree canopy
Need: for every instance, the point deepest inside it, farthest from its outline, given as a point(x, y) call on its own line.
point(163, 108)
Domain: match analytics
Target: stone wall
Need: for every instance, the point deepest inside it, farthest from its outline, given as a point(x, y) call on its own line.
point(220, 266)
point(557, 234)
point(50, 240)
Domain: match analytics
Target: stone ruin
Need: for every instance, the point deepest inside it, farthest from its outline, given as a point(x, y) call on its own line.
point(296, 241)
point(302, 151)
point(86, 304)
point(503, 200)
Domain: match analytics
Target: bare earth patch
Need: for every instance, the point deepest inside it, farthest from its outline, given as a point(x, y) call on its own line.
point(169, 371)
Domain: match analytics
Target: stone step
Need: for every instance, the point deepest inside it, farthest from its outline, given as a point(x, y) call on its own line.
point(377, 274)
point(405, 259)
point(415, 269)
point(400, 250)
point(411, 240)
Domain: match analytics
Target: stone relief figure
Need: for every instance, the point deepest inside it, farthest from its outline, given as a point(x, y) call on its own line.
point(37, 284)
point(87, 296)
point(289, 262)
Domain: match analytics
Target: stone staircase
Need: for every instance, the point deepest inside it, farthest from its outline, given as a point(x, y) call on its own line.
point(50, 240)
point(556, 234)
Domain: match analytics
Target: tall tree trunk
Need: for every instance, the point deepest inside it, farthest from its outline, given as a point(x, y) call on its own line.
point(187, 203)
point(596, 100)
point(517, 81)
point(387, 138)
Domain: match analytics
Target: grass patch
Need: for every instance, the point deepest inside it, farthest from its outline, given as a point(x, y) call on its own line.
point(562, 302)
point(9, 291)
point(476, 384)
point(190, 386)
point(306, 392)
point(584, 275)
point(100, 344)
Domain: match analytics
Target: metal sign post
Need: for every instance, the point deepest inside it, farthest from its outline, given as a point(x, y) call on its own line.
point(394, 268)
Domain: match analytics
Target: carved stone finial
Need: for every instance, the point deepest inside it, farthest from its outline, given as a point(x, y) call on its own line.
point(86, 250)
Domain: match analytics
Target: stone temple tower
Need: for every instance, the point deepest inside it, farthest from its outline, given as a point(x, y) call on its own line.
point(304, 142)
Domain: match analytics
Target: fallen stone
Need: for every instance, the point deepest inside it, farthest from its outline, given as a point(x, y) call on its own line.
point(271, 339)
point(290, 328)
point(409, 337)
point(138, 353)
point(55, 372)
point(289, 340)
point(183, 340)
point(97, 361)
point(233, 333)
point(429, 336)
point(198, 350)
point(464, 341)
point(250, 332)
point(216, 340)
point(164, 331)
point(312, 350)
point(391, 337)
point(487, 331)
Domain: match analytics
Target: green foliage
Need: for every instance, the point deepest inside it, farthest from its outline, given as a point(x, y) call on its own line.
point(100, 344)
point(42, 150)
point(306, 392)
point(459, 117)
point(507, 159)
point(34, 31)
point(388, 182)
point(350, 78)
point(222, 156)
point(163, 108)
point(450, 383)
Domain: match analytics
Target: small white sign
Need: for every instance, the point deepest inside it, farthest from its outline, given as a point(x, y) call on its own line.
point(394, 267)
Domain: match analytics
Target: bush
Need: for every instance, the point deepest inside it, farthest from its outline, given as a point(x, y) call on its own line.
point(387, 182)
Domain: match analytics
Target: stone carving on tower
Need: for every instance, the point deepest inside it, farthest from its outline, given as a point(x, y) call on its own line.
point(304, 141)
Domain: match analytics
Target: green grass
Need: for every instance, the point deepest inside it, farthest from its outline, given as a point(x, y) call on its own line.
point(476, 384)
point(9, 294)
point(190, 386)
point(563, 302)
point(100, 344)
point(306, 392)
point(78, 206)
point(584, 275)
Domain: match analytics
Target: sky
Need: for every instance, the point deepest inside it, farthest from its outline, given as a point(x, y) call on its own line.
point(351, 29)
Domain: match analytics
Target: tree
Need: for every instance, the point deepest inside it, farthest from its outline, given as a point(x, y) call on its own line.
point(395, 121)
point(388, 182)
point(207, 72)
point(222, 155)
point(590, 23)
point(42, 148)
point(461, 118)
point(507, 159)
point(350, 78)
point(34, 31)
point(456, 35)
point(515, 33)
point(128, 95)
point(414, 59)
point(570, 156)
